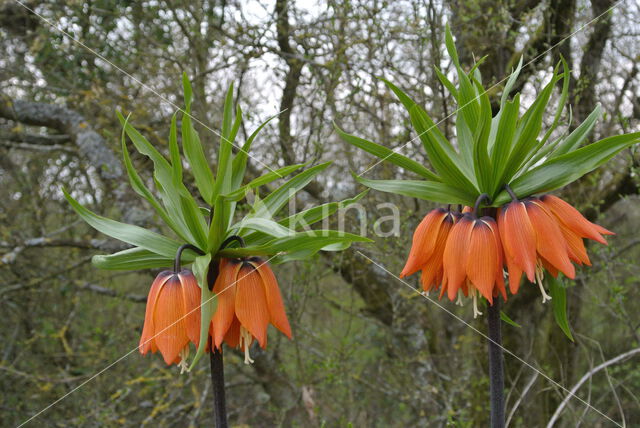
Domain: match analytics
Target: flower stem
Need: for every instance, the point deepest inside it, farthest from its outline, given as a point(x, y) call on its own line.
point(481, 198)
point(176, 263)
point(511, 193)
point(230, 239)
point(217, 381)
point(496, 367)
point(217, 364)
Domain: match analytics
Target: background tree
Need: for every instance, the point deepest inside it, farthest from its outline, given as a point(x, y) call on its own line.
point(363, 353)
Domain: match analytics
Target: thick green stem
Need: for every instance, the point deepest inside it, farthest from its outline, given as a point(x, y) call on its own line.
point(217, 381)
point(215, 357)
point(496, 366)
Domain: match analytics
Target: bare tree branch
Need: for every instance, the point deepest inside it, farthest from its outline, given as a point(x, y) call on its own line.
point(585, 378)
point(90, 144)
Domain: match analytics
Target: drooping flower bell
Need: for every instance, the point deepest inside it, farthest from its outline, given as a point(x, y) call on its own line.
point(544, 233)
point(427, 248)
point(172, 317)
point(473, 260)
point(574, 227)
point(248, 301)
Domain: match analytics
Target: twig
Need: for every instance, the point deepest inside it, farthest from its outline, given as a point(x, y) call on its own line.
point(519, 400)
point(586, 377)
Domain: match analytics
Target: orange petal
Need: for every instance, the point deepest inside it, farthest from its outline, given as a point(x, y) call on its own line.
point(169, 320)
point(191, 296)
point(519, 242)
point(225, 290)
point(573, 220)
point(550, 243)
point(515, 277)
point(147, 340)
point(277, 314)
point(500, 252)
point(549, 267)
point(424, 241)
point(483, 259)
point(577, 251)
point(432, 269)
point(251, 303)
point(454, 259)
point(232, 337)
point(431, 274)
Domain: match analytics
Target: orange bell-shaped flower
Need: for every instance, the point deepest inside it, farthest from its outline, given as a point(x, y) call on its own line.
point(427, 248)
point(248, 300)
point(574, 228)
point(472, 260)
point(172, 317)
point(544, 233)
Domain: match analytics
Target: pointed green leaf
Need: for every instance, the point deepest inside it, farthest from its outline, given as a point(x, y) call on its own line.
point(208, 304)
point(566, 76)
point(162, 167)
point(387, 154)
point(469, 106)
point(270, 205)
point(263, 225)
point(579, 134)
point(186, 90)
point(193, 151)
point(427, 190)
point(451, 46)
point(444, 162)
point(504, 140)
point(512, 81)
point(504, 317)
point(218, 226)
point(562, 170)
point(175, 196)
point(483, 167)
point(558, 294)
point(128, 233)
point(224, 177)
point(240, 160)
point(240, 193)
point(138, 186)
point(174, 150)
point(428, 131)
point(447, 83)
point(136, 259)
point(307, 243)
point(528, 130)
point(316, 214)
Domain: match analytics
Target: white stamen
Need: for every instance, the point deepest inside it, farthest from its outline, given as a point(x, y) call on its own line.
point(476, 312)
point(539, 278)
point(184, 354)
point(245, 341)
point(459, 300)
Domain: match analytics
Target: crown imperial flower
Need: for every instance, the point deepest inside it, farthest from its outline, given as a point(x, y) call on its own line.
point(472, 260)
point(465, 255)
point(172, 317)
point(428, 245)
point(248, 301)
point(544, 233)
